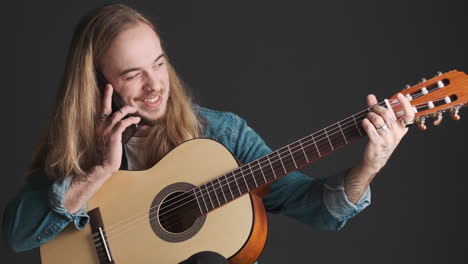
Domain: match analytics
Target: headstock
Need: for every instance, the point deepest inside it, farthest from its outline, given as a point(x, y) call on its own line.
point(431, 98)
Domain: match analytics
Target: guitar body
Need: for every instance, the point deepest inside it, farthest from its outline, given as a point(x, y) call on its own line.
point(236, 230)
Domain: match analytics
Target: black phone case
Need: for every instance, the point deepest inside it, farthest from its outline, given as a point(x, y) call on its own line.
point(117, 103)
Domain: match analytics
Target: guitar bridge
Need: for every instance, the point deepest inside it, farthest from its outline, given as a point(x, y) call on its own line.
point(99, 237)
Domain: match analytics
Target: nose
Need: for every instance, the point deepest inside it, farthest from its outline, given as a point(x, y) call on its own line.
point(152, 82)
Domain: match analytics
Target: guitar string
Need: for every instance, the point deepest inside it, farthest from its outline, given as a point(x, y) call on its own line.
point(287, 152)
point(235, 175)
point(287, 163)
point(113, 235)
point(313, 135)
point(249, 181)
point(214, 189)
point(109, 234)
point(194, 208)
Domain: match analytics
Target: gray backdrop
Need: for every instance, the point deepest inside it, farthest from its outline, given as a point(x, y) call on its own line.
point(289, 68)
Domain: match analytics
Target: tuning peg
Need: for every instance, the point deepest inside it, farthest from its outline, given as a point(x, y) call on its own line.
point(454, 113)
point(439, 73)
point(438, 118)
point(420, 122)
point(407, 86)
point(423, 79)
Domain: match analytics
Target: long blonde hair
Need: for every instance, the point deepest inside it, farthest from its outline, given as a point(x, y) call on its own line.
point(70, 146)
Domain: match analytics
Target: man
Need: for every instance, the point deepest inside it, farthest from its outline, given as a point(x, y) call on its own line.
point(83, 147)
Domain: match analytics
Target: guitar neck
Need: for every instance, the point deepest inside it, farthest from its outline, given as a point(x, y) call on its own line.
point(279, 163)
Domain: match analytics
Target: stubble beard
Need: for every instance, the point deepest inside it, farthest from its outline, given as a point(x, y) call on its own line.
point(147, 121)
point(151, 122)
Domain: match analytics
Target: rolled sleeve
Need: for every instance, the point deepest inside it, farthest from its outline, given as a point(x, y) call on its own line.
point(37, 214)
point(300, 197)
point(318, 202)
point(57, 193)
point(337, 201)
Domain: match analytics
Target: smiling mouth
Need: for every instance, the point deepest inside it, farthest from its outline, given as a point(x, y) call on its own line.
point(152, 102)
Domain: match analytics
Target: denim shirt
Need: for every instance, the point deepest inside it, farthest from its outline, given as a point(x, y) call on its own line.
point(37, 214)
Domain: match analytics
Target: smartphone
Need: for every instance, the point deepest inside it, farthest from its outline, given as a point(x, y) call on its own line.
point(117, 103)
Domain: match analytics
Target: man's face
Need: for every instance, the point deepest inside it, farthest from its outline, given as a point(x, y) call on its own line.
point(136, 67)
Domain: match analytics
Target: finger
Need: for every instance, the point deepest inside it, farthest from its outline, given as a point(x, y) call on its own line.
point(107, 100)
point(122, 125)
point(376, 120)
point(119, 115)
point(387, 115)
point(408, 110)
point(371, 100)
point(370, 130)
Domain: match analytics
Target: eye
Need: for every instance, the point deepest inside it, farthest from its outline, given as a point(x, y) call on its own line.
point(129, 77)
point(158, 65)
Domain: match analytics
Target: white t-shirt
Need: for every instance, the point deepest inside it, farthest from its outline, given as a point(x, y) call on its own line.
point(135, 161)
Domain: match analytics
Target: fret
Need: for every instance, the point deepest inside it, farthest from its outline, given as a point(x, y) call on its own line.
point(204, 201)
point(277, 162)
point(310, 150)
point(292, 157)
point(355, 123)
point(298, 154)
point(201, 196)
point(215, 192)
point(253, 175)
point(235, 180)
point(255, 181)
point(286, 161)
point(198, 202)
point(209, 196)
point(281, 160)
point(322, 144)
point(337, 138)
point(315, 143)
point(305, 155)
point(231, 184)
point(243, 184)
point(266, 167)
point(245, 180)
point(350, 130)
point(261, 170)
point(329, 141)
point(222, 190)
point(272, 169)
point(346, 141)
point(227, 183)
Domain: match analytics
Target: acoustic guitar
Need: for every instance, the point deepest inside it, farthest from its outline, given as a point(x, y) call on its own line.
point(198, 198)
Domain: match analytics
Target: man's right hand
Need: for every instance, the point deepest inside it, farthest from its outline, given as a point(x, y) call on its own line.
point(109, 131)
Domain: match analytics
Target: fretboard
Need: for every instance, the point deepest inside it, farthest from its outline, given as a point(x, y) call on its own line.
point(289, 158)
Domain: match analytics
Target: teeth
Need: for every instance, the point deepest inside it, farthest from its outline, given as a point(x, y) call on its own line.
point(151, 100)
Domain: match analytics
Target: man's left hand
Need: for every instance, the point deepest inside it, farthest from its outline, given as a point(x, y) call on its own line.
point(385, 132)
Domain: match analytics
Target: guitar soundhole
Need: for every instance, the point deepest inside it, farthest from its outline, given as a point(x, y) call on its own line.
point(174, 214)
point(178, 212)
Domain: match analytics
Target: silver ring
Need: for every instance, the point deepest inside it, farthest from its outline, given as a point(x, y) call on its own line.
point(104, 117)
point(382, 128)
point(407, 123)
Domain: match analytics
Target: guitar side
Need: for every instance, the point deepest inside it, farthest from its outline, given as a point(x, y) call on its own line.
point(236, 230)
